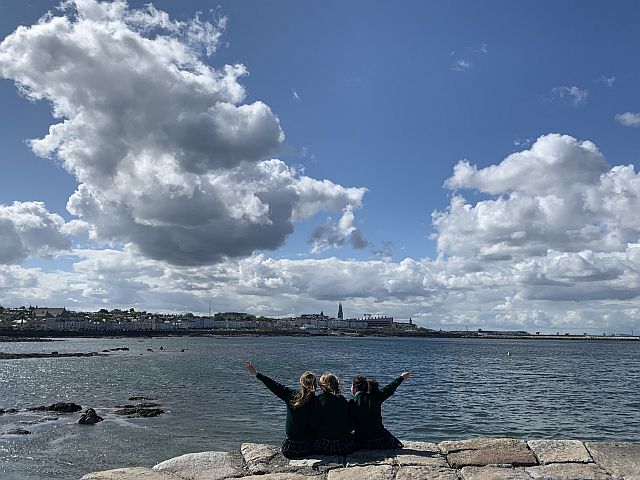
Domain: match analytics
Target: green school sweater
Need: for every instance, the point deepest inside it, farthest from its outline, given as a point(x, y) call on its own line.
point(297, 424)
point(366, 411)
point(330, 419)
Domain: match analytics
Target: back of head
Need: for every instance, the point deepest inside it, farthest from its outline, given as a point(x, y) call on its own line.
point(360, 383)
point(307, 389)
point(329, 383)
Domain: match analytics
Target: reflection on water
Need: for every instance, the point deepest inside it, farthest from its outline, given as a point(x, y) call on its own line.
point(460, 389)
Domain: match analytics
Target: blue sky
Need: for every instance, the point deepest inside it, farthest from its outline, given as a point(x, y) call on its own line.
point(386, 97)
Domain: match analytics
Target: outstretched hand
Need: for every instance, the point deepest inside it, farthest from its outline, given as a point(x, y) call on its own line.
point(406, 375)
point(250, 368)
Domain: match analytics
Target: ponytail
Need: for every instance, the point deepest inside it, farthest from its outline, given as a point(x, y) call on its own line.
point(362, 384)
point(307, 389)
point(329, 383)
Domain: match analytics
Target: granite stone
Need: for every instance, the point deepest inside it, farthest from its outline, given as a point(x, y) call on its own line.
point(367, 472)
point(136, 473)
point(494, 473)
point(620, 459)
point(426, 473)
point(560, 451)
point(568, 471)
point(203, 466)
point(512, 454)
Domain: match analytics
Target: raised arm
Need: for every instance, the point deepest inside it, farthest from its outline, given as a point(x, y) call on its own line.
point(388, 390)
point(279, 390)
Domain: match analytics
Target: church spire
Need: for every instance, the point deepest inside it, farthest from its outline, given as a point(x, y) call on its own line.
point(340, 311)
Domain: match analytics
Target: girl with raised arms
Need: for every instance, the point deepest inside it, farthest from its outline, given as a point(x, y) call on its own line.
point(366, 412)
point(300, 404)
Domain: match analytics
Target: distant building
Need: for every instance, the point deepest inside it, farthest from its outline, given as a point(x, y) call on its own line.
point(44, 313)
point(340, 315)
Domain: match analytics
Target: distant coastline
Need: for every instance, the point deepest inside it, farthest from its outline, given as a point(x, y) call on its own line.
point(44, 335)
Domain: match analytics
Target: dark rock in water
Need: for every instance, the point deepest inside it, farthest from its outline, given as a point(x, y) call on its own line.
point(17, 431)
point(138, 411)
point(140, 397)
point(90, 417)
point(10, 410)
point(122, 349)
point(16, 356)
point(149, 349)
point(60, 407)
point(140, 405)
point(106, 350)
point(54, 353)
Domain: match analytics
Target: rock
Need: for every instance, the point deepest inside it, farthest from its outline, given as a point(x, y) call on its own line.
point(136, 412)
point(369, 472)
point(203, 466)
point(280, 476)
point(371, 457)
point(316, 463)
point(257, 456)
point(139, 405)
point(620, 459)
point(478, 443)
point(426, 473)
point(420, 453)
point(516, 454)
point(17, 431)
point(60, 407)
point(139, 397)
point(568, 471)
point(137, 473)
point(90, 417)
point(9, 411)
point(560, 451)
point(494, 473)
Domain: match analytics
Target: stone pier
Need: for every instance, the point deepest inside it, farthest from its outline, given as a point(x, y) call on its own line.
point(475, 459)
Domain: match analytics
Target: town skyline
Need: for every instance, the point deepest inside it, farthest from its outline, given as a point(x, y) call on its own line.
point(458, 165)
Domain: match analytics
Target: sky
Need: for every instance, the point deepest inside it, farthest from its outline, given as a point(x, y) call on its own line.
point(461, 164)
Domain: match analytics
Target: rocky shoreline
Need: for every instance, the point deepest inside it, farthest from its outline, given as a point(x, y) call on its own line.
point(474, 459)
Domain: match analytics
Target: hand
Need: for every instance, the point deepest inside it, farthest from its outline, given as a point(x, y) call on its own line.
point(406, 375)
point(250, 368)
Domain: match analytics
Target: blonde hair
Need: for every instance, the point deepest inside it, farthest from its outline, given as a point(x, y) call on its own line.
point(307, 389)
point(329, 383)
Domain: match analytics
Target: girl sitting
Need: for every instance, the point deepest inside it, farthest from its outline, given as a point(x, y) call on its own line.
point(330, 420)
point(366, 412)
point(300, 403)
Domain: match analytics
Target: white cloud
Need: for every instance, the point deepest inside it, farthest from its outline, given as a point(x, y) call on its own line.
point(27, 229)
point(462, 65)
point(608, 81)
point(628, 119)
point(166, 153)
point(296, 97)
point(331, 234)
point(575, 95)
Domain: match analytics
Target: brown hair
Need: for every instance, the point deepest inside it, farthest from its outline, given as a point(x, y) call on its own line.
point(307, 389)
point(362, 384)
point(329, 383)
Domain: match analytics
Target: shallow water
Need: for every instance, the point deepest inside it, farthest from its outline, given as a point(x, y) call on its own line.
point(461, 388)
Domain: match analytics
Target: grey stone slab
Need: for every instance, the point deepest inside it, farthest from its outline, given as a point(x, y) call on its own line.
point(560, 451)
point(367, 472)
point(426, 473)
point(515, 455)
point(371, 457)
point(494, 473)
point(258, 456)
point(420, 446)
point(620, 459)
point(136, 473)
point(317, 461)
point(451, 446)
point(568, 471)
point(203, 466)
point(280, 476)
point(428, 459)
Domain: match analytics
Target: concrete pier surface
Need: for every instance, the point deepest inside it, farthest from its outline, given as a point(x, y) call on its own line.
point(474, 459)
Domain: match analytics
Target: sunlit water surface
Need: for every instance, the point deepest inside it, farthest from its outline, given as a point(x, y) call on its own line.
point(461, 389)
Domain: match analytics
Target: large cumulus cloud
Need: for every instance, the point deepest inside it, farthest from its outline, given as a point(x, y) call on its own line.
point(27, 229)
point(166, 153)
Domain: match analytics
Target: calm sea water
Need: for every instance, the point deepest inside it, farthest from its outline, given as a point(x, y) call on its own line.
point(460, 389)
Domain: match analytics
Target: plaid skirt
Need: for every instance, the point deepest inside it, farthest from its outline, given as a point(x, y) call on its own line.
point(297, 448)
point(335, 447)
point(386, 442)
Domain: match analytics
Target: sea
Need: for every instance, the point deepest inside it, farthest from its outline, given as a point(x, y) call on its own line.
point(461, 388)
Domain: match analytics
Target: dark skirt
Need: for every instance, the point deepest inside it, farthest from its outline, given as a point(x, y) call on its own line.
point(297, 448)
point(335, 447)
point(385, 442)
